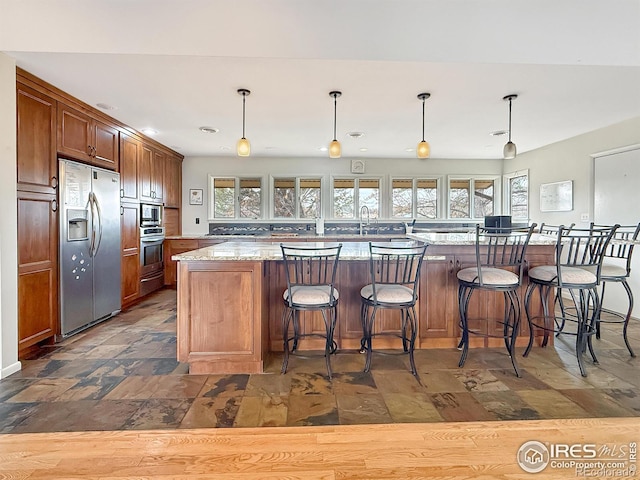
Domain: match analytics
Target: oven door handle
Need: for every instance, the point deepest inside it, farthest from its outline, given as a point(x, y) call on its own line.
point(151, 239)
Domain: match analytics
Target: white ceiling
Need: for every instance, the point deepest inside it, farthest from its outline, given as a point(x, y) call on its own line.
point(175, 66)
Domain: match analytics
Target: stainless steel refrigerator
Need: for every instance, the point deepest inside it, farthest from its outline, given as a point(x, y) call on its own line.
point(89, 245)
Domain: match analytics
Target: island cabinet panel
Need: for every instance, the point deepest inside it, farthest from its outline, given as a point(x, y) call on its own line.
point(222, 309)
point(438, 325)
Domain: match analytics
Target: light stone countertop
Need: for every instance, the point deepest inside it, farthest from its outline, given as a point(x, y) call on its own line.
point(249, 251)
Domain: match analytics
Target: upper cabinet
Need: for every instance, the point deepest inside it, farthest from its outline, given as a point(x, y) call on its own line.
point(130, 159)
point(87, 139)
point(151, 175)
point(37, 160)
point(172, 181)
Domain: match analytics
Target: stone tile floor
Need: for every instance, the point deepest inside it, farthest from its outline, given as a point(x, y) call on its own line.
point(122, 374)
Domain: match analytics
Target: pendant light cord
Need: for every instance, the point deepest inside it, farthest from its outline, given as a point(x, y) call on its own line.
point(335, 108)
point(509, 119)
point(423, 100)
point(244, 99)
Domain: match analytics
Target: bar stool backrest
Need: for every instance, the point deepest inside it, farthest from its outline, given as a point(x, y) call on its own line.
point(622, 243)
point(311, 267)
point(395, 264)
point(583, 248)
point(500, 248)
point(546, 229)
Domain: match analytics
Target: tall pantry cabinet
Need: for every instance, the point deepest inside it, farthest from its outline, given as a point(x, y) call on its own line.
point(51, 123)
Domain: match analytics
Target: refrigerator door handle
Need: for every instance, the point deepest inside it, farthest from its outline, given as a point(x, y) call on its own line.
point(99, 232)
point(92, 238)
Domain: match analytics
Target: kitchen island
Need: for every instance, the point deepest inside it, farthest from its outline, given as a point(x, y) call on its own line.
point(230, 301)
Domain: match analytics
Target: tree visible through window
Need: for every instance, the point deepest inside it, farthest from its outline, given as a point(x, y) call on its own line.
point(482, 198)
point(519, 196)
point(224, 197)
point(250, 198)
point(284, 199)
point(459, 198)
point(427, 198)
point(402, 198)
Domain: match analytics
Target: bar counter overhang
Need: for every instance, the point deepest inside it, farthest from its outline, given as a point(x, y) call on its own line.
point(230, 301)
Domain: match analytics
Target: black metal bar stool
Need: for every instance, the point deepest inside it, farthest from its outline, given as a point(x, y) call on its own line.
point(616, 268)
point(499, 267)
point(311, 274)
point(577, 269)
point(395, 271)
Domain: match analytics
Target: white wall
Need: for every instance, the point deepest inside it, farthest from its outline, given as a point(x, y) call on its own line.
point(571, 160)
point(195, 172)
point(8, 221)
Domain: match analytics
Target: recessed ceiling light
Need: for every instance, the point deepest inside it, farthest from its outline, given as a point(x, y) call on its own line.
point(149, 131)
point(209, 130)
point(498, 133)
point(105, 106)
point(356, 134)
point(223, 147)
point(323, 149)
point(408, 149)
point(364, 149)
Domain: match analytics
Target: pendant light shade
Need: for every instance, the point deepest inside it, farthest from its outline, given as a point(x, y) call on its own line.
point(335, 150)
point(423, 150)
point(509, 152)
point(243, 148)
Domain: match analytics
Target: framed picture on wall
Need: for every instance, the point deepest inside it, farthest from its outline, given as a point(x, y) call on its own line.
point(195, 196)
point(556, 196)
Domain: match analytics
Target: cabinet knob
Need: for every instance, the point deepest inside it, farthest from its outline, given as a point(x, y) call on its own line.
point(121, 210)
point(90, 150)
point(54, 182)
point(54, 205)
point(122, 193)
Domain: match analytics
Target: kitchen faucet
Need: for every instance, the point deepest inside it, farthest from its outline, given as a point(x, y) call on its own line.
point(362, 210)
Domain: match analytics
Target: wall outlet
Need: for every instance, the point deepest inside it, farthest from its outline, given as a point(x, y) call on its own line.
point(584, 217)
point(197, 220)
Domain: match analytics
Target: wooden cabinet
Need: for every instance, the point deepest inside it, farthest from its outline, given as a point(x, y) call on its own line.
point(151, 175)
point(87, 139)
point(37, 268)
point(130, 153)
point(130, 240)
point(173, 247)
point(37, 159)
point(172, 184)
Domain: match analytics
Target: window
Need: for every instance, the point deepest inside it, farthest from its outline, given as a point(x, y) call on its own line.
point(517, 194)
point(351, 194)
point(482, 198)
point(297, 197)
point(459, 198)
point(246, 204)
point(414, 198)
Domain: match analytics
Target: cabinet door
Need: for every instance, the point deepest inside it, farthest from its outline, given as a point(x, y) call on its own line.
point(130, 152)
point(150, 175)
point(37, 268)
point(37, 159)
point(130, 238)
point(157, 176)
point(438, 324)
point(105, 145)
point(173, 247)
point(74, 133)
point(172, 181)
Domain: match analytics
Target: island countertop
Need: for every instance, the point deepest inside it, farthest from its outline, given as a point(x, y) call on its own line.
point(263, 250)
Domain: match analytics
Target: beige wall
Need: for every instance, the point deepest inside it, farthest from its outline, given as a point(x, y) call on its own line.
point(8, 220)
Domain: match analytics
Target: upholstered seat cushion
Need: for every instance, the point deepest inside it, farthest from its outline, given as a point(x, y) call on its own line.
point(490, 276)
point(310, 295)
point(388, 293)
point(613, 271)
point(570, 275)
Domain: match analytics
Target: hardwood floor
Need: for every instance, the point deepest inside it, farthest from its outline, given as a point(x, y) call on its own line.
point(397, 451)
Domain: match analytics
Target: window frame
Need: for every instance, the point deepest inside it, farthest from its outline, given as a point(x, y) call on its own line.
point(497, 186)
point(297, 206)
point(414, 196)
point(236, 197)
point(507, 200)
point(382, 206)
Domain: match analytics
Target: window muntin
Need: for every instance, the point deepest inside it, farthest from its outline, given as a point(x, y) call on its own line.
point(459, 198)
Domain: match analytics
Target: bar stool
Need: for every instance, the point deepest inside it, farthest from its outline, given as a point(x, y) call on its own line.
point(579, 255)
point(394, 272)
point(616, 268)
point(499, 268)
point(311, 273)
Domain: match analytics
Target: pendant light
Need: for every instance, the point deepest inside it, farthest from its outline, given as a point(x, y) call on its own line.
point(509, 151)
point(423, 150)
point(334, 147)
point(243, 147)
